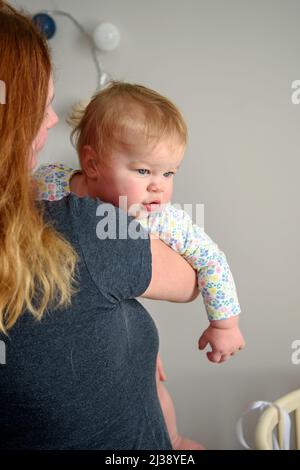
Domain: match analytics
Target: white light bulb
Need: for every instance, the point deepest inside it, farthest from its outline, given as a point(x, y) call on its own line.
point(106, 36)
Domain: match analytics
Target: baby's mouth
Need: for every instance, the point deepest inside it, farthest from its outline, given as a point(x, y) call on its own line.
point(152, 206)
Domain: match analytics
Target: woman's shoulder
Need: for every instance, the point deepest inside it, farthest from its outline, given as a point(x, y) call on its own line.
point(112, 244)
point(70, 206)
point(86, 214)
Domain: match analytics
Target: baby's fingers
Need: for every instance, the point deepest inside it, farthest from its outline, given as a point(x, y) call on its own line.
point(238, 349)
point(224, 357)
point(214, 356)
point(203, 342)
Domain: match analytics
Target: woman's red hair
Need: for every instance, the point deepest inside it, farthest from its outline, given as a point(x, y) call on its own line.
point(36, 263)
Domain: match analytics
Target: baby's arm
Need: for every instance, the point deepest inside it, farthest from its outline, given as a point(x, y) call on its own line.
point(215, 280)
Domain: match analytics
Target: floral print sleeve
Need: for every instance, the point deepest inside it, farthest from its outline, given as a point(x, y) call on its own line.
point(53, 181)
point(177, 230)
point(215, 280)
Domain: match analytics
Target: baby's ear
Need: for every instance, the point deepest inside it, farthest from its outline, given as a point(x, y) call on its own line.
point(88, 160)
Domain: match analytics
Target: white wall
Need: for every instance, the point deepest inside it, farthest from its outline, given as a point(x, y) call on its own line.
point(229, 66)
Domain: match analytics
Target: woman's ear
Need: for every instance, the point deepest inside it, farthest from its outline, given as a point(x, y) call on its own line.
point(88, 160)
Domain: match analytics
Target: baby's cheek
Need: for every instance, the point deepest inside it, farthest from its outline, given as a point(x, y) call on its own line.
point(119, 195)
point(134, 193)
point(167, 196)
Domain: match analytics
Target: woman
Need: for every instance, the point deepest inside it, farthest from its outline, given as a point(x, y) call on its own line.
point(81, 351)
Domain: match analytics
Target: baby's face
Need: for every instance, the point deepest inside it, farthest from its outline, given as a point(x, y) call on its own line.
point(145, 177)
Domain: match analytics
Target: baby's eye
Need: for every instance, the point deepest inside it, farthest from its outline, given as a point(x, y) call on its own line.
point(169, 173)
point(143, 171)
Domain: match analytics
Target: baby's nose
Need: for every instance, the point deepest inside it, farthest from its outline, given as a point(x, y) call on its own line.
point(155, 187)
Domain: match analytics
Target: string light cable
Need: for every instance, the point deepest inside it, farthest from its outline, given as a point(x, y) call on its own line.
point(106, 37)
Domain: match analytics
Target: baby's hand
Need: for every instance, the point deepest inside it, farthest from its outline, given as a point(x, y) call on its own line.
point(224, 337)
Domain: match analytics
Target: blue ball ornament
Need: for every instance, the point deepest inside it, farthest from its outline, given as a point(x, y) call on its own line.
point(46, 24)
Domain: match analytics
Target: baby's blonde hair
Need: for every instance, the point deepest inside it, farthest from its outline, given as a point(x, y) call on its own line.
point(125, 115)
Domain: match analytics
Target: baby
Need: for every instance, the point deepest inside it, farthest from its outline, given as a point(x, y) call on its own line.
point(131, 141)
